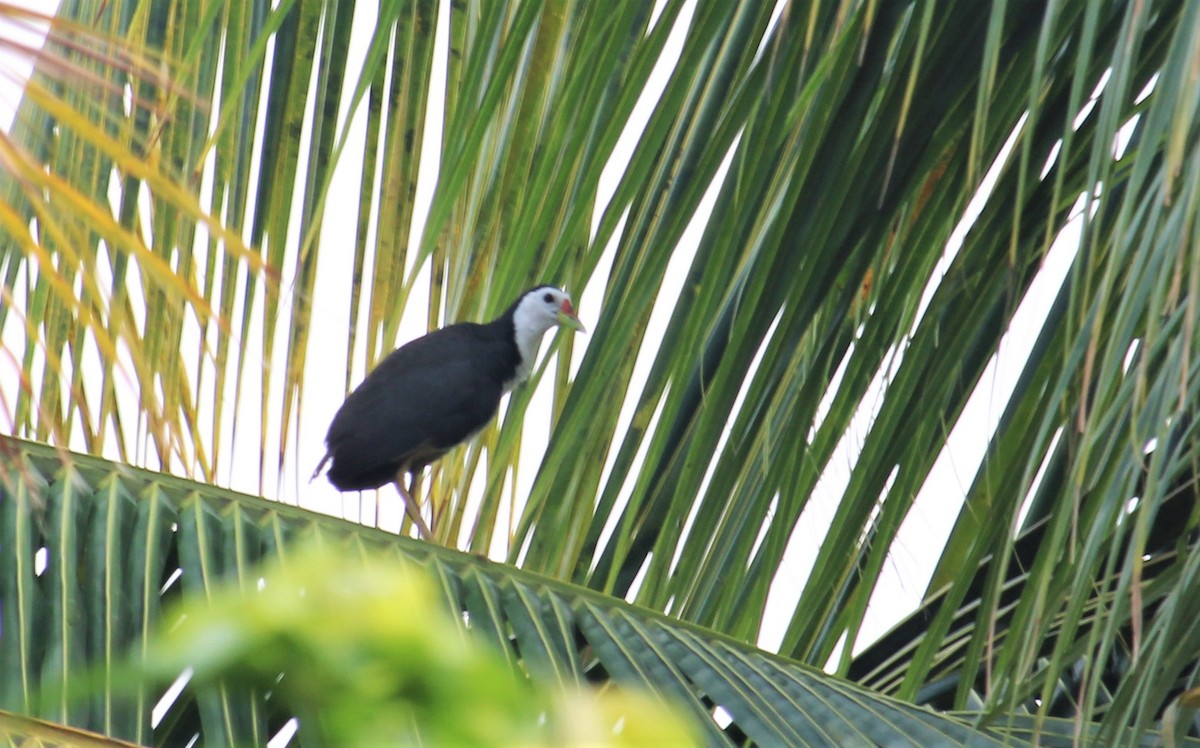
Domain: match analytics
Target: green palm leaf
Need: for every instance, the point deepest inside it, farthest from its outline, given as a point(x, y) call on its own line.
point(780, 329)
point(186, 538)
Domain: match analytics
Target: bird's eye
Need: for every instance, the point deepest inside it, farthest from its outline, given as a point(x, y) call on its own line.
point(548, 298)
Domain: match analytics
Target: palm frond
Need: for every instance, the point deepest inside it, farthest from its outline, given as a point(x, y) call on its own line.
point(101, 547)
point(799, 300)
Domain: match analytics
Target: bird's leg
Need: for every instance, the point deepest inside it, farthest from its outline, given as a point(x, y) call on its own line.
point(414, 482)
point(413, 510)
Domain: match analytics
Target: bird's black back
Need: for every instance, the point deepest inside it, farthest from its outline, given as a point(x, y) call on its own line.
point(421, 400)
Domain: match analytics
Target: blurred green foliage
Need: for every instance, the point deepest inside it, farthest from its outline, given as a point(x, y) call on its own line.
point(362, 652)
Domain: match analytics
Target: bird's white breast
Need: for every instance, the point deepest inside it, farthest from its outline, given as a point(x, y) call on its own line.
point(527, 346)
point(528, 329)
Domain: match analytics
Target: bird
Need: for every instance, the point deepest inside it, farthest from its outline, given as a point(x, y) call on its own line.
point(436, 392)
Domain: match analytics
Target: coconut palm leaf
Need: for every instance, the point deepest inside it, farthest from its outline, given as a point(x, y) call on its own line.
point(25, 731)
point(798, 301)
point(90, 533)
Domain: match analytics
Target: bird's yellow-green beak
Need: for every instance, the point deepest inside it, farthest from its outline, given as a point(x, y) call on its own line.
point(568, 318)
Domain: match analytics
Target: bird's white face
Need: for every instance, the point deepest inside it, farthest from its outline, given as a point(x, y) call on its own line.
point(536, 312)
point(543, 308)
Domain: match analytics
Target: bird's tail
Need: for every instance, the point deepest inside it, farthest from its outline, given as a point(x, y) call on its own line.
point(320, 467)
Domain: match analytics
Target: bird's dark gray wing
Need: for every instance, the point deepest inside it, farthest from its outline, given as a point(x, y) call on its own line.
point(420, 401)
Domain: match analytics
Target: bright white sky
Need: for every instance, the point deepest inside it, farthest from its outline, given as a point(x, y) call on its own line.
point(923, 533)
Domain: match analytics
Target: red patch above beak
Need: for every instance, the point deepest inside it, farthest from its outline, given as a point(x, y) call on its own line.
point(567, 308)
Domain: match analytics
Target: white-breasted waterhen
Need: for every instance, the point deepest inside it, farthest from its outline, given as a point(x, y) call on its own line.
point(435, 392)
